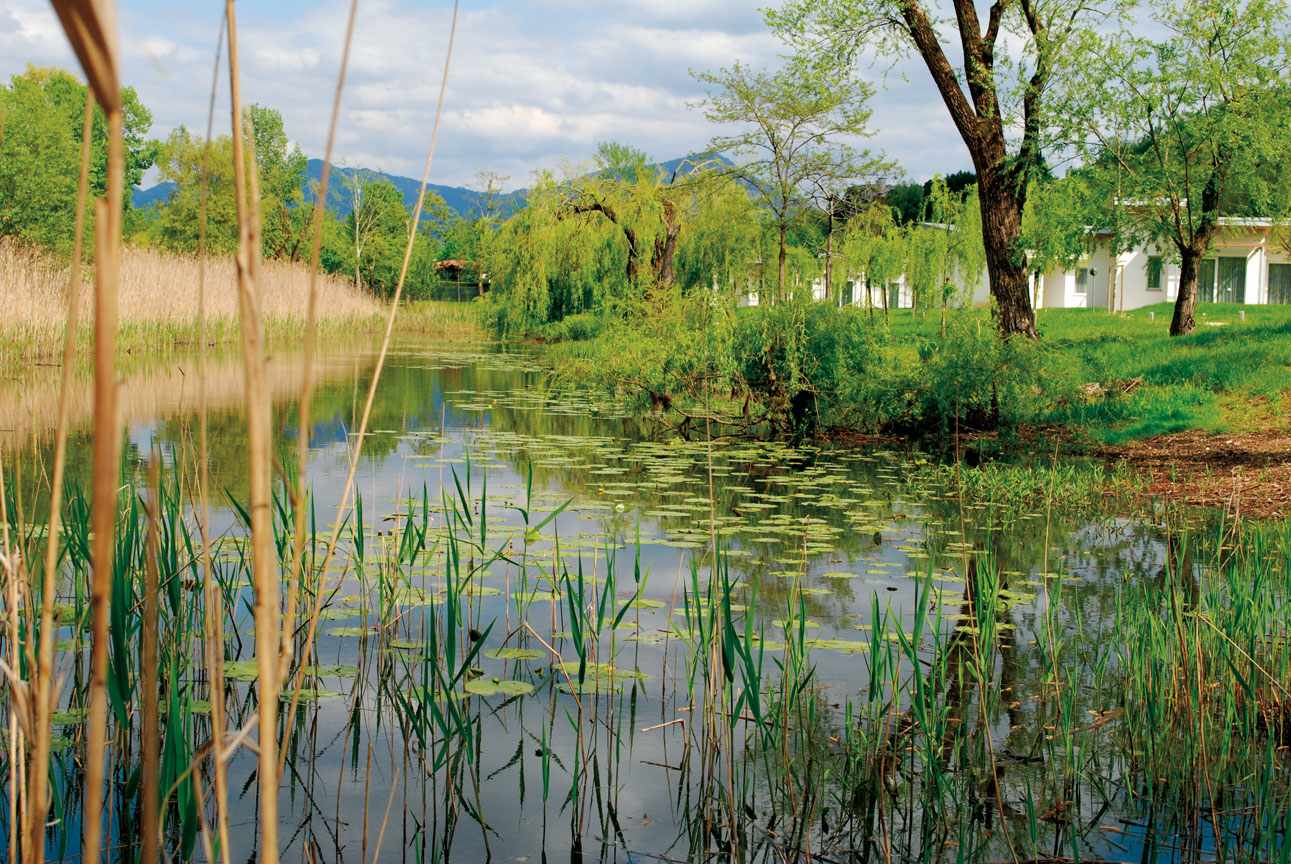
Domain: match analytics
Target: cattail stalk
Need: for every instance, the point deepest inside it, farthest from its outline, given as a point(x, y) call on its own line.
point(212, 594)
point(91, 29)
point(264, 567)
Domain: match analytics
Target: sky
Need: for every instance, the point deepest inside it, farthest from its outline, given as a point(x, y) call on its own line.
point(533, 85)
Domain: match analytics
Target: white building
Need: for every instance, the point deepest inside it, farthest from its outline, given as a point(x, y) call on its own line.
point(1249, 262)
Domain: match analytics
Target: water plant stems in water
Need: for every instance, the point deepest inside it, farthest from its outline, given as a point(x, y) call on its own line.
point(150, 730)
point(297, 571)
point(34, 837)
point(348, 488)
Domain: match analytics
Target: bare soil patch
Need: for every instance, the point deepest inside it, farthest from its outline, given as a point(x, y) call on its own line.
point(1247, 474)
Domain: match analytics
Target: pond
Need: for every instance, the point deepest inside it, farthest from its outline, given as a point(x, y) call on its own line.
point(550, 632)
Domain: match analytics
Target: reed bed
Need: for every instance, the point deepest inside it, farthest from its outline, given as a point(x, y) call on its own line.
point(159, 300)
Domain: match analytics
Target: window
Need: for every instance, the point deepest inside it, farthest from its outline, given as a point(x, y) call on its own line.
point(1154, 272)
point(1280, 283)
point(1082, 280)
point(894, 295)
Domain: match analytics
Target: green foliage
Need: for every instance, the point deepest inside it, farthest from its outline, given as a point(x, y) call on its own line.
point(186, 161)
point(1056, 221)
point(915, 202)
point(971, 380)
point(1186, 125)
point(201, 170)
point(803, 361)
point(284, 220)
point(942, 258)
point(41, 113)
point(621, 241)
point(1105, 377)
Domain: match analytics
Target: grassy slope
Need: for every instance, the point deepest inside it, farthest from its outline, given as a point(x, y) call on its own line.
point(1231, 375)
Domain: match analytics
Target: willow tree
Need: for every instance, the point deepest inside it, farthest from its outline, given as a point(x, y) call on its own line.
point(996, 97)
point(874, 250)
point(1055, 226)
point(793, 135)
point(720, 248)
point(945, 255)
point(1183, 126)
point(544, 265)
point(645, 204)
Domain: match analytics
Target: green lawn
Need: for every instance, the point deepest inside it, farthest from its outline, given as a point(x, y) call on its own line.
point(1230, 375)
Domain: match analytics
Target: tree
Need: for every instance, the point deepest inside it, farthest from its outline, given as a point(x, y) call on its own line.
point(982, 100)
point(791, 120)
point(643, 203)
point(945, 258)
point(281, 166)
point(873, 248)
point(489, 184)
point(378, 228)
point(41, 114)
point(186, 161)
point(1179, 129)
point(197, 169)
point(723, 235)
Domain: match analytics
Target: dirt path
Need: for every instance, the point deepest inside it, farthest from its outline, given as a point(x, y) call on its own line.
point(1247, 474)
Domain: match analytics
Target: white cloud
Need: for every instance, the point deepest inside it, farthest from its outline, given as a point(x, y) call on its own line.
point(533, 85)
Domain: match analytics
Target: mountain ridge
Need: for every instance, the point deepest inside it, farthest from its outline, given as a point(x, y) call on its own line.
point(463, 200)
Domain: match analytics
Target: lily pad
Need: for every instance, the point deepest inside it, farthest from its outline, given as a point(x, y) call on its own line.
point(498, 687)
point(516, 654)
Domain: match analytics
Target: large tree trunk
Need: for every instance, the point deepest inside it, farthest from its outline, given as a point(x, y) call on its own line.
point(663, 261)
point(1001, 179)
point(1001, 226)
point(1185, 305)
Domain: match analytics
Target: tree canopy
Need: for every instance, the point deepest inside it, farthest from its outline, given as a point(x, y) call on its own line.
point(41, 113)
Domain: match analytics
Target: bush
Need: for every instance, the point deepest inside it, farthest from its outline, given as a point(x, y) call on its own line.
point(801, 361)
point(972, 379)
point(575, 328)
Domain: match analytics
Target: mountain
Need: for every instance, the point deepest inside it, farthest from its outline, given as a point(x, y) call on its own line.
point(159, 194)
point(463, 201)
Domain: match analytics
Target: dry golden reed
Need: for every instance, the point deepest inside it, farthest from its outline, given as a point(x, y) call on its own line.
point(160, 288)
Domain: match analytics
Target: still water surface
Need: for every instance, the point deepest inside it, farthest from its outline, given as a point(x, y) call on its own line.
point(615, 768)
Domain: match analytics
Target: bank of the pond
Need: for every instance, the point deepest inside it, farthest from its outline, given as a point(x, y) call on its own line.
point(1246, 474)
point(1101, 383)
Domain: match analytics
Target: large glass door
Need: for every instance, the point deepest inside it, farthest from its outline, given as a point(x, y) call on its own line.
point(1230, 284)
